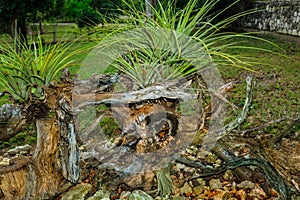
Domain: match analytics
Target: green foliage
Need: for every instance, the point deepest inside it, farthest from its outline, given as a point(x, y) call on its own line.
point(16, 13)
point(185, 40)
point(19, 139)
point(23, 74)
point(75, 8)
point(109, 126)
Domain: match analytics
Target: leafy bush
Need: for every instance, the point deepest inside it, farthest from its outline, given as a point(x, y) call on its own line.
point(200, 25)
point(25, 72)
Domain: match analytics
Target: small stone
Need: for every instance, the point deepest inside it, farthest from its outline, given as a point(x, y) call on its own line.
point(1, 158)
point(198, 190)
point(77, 192)
point(211, 158)
point(220, 194)
point(186, 189)
point(218, 162)
point(139, 195)
point(228, 175)
point(201, 181)
point(81, 148)
point(23, 152)
point(5, 162)
point(257, 192)
point(215, 184)
point(246, 185)
point(101, 194)
point(241, 194)
point(180, 166)
point(189, 170)
point(18, 149)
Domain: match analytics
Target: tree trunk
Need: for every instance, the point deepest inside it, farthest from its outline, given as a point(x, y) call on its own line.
point(49, 179)
point(18, 31)
point(38, 177)
point(55, 32)
point(23, 31)
point(41, 26)
point(13, 29)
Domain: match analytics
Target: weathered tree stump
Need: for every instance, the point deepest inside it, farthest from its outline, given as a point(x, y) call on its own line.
point(39, 177)
point(49, 179)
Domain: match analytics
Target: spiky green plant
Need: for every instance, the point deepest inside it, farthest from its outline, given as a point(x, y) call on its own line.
point(183, 29)
point(25, 72)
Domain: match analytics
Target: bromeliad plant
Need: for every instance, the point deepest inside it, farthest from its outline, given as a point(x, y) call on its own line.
point(25, 72)
point(200, 25)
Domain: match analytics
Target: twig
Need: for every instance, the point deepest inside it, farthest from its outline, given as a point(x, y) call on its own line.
point(241, 118)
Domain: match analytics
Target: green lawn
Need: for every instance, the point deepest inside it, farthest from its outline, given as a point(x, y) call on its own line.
point(277, 90)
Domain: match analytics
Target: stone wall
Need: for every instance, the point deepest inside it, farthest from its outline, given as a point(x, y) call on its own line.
point(277, 15)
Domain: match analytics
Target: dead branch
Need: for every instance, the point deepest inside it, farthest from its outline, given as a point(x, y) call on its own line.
point(169, 91)
point(12, 121)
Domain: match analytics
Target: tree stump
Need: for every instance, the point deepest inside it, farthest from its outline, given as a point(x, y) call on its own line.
point(39, 177)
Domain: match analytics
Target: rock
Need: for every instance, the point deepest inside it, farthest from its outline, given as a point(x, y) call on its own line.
point(77, 192)
point(23, 152)
point(180, 166)
point(246, 185)
point(139, 195)
point(19, 149)
point(257, 192)
point(100, 195)
point(228, 175)
point(241, 194)
point(211, 158)
point(5, 162)
point(201, 181)
point(198, 190)
point(220, 194)
point(215, 184)
point(1, 158)
point(189, 170)
point(125, 195)
point(186, 189)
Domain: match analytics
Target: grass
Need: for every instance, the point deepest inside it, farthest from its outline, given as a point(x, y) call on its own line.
point(276, 93)
point(28, 137)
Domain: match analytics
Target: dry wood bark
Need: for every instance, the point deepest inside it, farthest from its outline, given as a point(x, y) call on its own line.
point(38, 177)
point(49, 178)
point(12, 121)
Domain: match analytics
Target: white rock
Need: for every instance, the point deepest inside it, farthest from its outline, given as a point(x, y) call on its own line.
point(180, 166)
point(5, 162)
point(19, 149)
point(246, 185)
point(215, 184)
